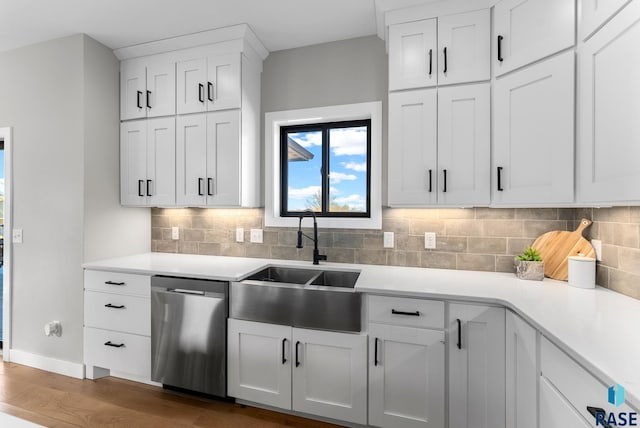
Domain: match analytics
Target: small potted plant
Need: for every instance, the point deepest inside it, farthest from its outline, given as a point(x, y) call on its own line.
point(529, 265)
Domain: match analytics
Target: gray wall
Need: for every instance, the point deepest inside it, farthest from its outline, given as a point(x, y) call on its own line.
point(65, 144)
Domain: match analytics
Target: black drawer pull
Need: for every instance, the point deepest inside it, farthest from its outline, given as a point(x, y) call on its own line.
point(109, 305)
point(210, 91)
point(140, 186)
point(114, 345)
point(413, 314)
point(375, 351)
point(444, 187)
point(430, 61)
point(445, 60)
point(500, 38)
point(200, 182)
point(149, 182)
point(297, 356)
point(113, 283)
point(138, 102)
point(201, 92)
point(149, 99)
point(430, 182)
point(459, 344)
point(500, 189)
point(284, 342)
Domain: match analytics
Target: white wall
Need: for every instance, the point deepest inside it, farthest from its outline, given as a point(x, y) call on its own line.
point(55, 158)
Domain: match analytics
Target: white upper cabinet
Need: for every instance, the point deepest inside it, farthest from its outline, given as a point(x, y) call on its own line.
point(413, 139)
point(609, 146)
point(533, 134)
point(208, 83)
point(413, 56)
point(447, 50)
point(464, 47)
point(596, 12)
point(476, 366)
point(528, 30)
point(147, 90)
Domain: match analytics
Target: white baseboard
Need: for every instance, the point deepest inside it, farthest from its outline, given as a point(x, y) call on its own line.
point(66, 368)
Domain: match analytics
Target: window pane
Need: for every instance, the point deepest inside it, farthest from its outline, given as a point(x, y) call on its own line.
point(304, 154)
point(348, 169)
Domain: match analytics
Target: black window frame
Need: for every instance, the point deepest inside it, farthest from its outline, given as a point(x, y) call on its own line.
point(324, 128)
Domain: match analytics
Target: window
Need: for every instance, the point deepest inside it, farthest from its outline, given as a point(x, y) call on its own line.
point(336, 120)
point(325, 168)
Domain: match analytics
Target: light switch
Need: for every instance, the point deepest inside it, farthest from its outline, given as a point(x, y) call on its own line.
point(388, 240)
point(175, 233)
point(256, 236)
point(430, 240)
point(239, 234)
point(17, 236)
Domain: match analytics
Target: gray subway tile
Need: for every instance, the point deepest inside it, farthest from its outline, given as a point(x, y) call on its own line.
point(504, 228)
point(495, 213)
point(478, 262)
point(486, 245)
point(431, 259)
point(371, 257)
point(625, 283)
point(629, 260)
point(537, 213)
point(535, 228)
point(451, 244)
point(505, 264)
point(612, 215)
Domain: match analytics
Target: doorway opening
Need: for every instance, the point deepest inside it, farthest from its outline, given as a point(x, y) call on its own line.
point(5, 250)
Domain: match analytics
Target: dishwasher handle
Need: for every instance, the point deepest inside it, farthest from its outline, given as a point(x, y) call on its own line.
point(185, 291)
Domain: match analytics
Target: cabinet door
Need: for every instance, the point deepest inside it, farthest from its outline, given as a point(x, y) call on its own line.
point(533, 134)
point(597, 12)
point(191, 86)
point(406, 377)
point(132, 91)
point(161, 90)
point(161, 161)
point(609, 126)
point(413, 148)
point(223, 83)
point(556, 411)
point(464, 145)
point(133, 163)
point(223, 158)
point(191, 160)
point(464, 47)
point(330, 374)
point(476, 366)
point(413, 56)
point(522, 369)
point(259, 362)
point(531, 30)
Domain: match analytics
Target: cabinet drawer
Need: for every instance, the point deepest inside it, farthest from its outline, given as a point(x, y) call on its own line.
point(131, 353)
point(116, 282)
point(128, 314)
point(576, 384)
point(404, 311)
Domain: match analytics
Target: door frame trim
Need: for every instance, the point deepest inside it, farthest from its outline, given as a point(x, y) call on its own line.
point(8, 246)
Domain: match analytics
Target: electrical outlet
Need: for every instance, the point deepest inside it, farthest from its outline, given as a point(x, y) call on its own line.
point(17, 236)
point(239, 234)
point(388, 240)
point(597, 246)
point(256, 236)
point(430, 240)
point(175, 233)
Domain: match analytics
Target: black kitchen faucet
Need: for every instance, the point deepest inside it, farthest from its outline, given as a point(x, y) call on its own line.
point(316, 253)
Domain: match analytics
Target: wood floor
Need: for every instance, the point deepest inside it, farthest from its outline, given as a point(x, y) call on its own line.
point(58, 401)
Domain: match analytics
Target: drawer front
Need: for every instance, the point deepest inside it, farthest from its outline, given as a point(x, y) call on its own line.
point(129, 353)
point(116, 282)
point(408, 312)
point(127, 314)
point(575, 383)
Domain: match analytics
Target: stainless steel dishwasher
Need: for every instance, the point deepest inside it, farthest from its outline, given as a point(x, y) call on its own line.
point(189, 334)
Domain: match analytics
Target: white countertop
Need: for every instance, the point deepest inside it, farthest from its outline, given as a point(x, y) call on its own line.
point(597, 327)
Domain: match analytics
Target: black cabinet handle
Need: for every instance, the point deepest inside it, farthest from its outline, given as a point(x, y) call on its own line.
point(500, 189)
point(595, 411)
point(430, 182)
point(210, 186)
point(201, 92)
point(445, 60)
point(113, 283)
point(140, 191)
point(210, 91)
point(138, 102)
point(375, 351)
point(200, 182)
point(500, 38)
point(119, 345)
point(284, 343)
point(297, 359)
point(149, 187)
point(444, 186)
point(413, 314)
point(148, 99)
point(430, 61)
point(459, 344)
point(109, 305)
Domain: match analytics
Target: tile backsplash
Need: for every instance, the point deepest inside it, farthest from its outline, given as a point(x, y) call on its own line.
point(482, 239)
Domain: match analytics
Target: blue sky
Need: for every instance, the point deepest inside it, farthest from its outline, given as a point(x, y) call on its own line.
point(348, 164)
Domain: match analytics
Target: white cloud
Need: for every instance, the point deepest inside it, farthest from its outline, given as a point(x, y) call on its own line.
point(304, 192)
point(355, 202)
point(355, 166)
point(349, 141)
point(337, 177)
point(307, 139)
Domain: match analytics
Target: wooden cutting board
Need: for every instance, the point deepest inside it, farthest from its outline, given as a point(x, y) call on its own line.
point(555, 248)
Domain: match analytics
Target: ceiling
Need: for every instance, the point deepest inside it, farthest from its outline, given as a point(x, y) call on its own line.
point(280, 24)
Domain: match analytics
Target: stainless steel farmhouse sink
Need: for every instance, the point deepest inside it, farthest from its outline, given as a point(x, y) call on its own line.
point(311, 298)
